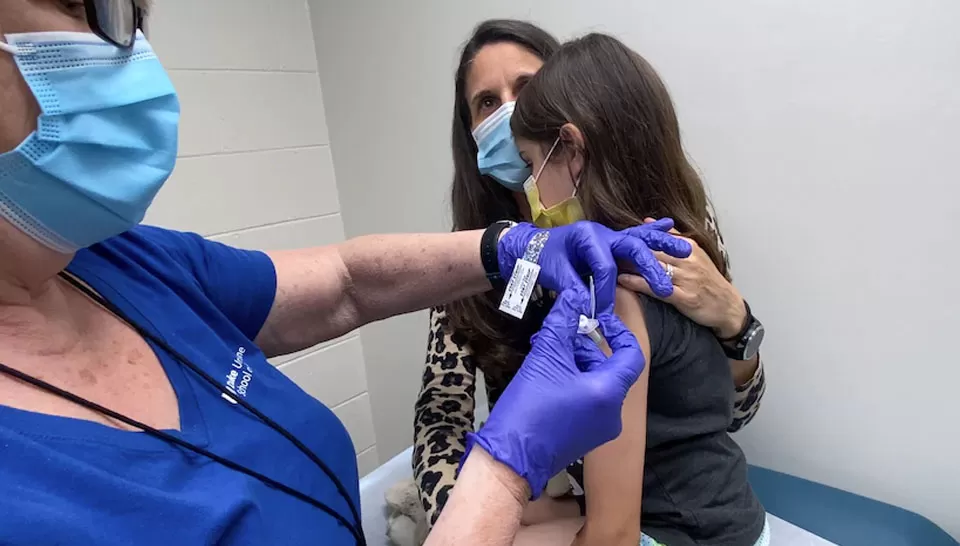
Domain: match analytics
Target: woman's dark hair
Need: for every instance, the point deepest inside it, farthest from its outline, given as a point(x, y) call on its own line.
point(634, 163)
point(499, 342)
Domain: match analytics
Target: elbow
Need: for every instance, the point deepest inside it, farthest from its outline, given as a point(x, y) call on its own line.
point(350, 307)
point(346, 308)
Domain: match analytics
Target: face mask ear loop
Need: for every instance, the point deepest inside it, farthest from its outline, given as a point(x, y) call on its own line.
point(19, 49)
point(576, 182)
point(546, 159)
point(534, 180)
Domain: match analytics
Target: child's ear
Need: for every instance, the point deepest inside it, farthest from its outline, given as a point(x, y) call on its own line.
point(572, 139)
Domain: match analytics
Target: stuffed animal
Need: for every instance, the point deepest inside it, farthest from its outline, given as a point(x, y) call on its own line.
point(406, 519)
point(558, 485)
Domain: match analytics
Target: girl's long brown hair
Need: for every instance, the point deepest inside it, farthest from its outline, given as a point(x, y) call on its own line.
point(634, 163)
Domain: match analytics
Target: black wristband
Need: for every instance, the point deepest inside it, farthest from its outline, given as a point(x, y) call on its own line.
point(489, 255)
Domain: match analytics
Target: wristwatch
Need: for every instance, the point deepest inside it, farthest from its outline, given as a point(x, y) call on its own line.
point(489, 255)
point(746, 344)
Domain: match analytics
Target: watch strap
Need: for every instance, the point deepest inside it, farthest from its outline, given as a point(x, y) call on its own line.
point(736, 347)
point(734, 353)
point(489, 253)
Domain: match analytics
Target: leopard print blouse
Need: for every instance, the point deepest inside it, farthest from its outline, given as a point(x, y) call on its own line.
point(444, 410)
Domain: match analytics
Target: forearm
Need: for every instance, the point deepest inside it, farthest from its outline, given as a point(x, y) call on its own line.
point(326, 292)
point(485, 507)
point(744, 370)
point(747, 398)
point(438, 449)
point(389, 275)
point(443, 415)
point(435, 477)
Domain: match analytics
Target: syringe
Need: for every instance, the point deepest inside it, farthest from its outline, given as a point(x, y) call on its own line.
point(590, 326)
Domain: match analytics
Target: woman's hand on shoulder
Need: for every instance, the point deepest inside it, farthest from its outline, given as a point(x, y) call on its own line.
point(700, 291)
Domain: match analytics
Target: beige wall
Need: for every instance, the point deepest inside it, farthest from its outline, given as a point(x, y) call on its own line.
point(255, 169)
point(827, 131)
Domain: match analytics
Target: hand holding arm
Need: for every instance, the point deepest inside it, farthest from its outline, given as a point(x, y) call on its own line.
point(700, 292)
point(585, 247)
point(708, 298)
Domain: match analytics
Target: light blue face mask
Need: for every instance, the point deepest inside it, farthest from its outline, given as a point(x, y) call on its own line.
point(497, 153)
point(105, 143)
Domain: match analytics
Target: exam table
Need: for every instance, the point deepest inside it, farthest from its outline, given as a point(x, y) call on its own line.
point(840, 516)
point(837, 516)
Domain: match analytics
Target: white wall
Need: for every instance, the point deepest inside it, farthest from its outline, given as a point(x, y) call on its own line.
point(827, 131)
point(255, 169)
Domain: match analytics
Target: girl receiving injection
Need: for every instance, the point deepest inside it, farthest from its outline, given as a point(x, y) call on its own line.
point(598, 128)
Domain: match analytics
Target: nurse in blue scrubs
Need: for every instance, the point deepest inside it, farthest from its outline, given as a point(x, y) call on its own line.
point(136, 402)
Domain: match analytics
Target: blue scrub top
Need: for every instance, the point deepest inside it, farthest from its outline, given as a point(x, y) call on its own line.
point(69, 481)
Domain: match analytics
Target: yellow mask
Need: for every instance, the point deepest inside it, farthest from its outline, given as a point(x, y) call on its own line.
point(563, 213)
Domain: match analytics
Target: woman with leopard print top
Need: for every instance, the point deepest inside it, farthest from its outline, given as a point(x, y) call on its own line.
point(469, 335)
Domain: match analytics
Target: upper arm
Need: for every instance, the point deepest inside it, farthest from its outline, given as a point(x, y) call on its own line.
point(629, 310)
point(312, 301)
point(613, 473)
point(443, 415)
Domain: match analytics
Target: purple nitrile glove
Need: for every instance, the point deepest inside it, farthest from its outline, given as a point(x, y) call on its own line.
point(566, 398)
point(587, 247)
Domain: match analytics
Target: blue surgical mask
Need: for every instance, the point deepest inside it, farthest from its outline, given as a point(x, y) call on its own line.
point(105, 143)
point(497, 153)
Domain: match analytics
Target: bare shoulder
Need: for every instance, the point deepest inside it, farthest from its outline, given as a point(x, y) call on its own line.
point(629, 309)
point(627, 303)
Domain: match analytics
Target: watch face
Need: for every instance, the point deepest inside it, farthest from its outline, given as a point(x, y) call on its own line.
point(754, 338)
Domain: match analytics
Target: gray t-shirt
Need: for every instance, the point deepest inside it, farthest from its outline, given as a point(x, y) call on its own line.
point(695, 489)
